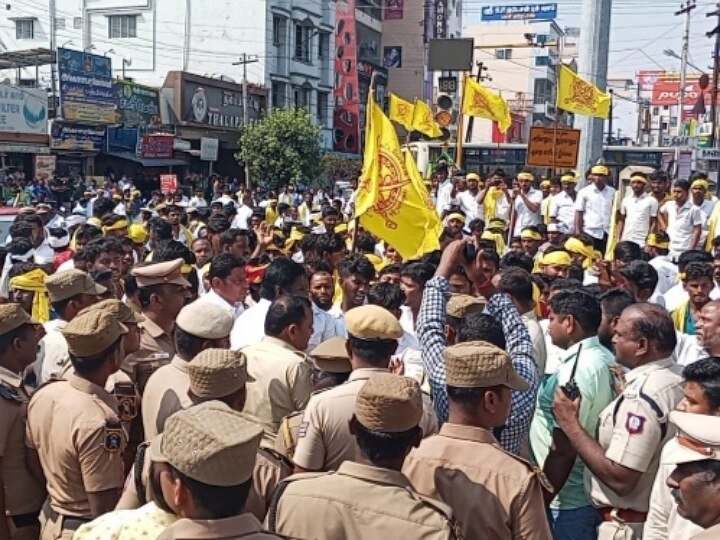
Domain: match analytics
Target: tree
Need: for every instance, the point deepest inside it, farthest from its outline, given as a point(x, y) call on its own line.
point(337, 168)
point(284, 149)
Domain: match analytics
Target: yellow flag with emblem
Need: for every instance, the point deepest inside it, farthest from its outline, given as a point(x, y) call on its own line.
point(402, 112)
point(424, 121)
point(479, 101)
point(392, 203)
point(576, 95)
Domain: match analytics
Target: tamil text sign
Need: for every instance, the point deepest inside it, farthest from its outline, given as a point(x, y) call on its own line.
point(23, 110)
point(69, 136)
point(157, 146)
point(557, 148)
point(523, 12)
point(86, 92)
point(209, 148)
point(137, 105)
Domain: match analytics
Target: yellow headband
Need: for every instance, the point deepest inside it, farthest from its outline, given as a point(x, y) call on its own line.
point(652, 241)
point(472, 176)
point(569, 178)
point(545, 184)
point(638, 178)
point(527, 234)
point(700, 183)
point(296, 235)
point(573, 245)
point(556, 258)
point(600, 169)
point(341, 228)
point(35, 281)
point(526, 176)
point(122, 224)
point(496, 224)
point(185, 269)
point(137, 234)
point(457, 216)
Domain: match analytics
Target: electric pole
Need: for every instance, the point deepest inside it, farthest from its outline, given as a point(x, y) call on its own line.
point(685, 9)
point(479, 77)
point(716, 72)
point(246, 59)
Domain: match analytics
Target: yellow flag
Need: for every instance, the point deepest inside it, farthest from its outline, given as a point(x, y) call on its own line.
point(402, 112)
point(479, 101)
point(576, 95)
point(424, 121)
point(392, 203)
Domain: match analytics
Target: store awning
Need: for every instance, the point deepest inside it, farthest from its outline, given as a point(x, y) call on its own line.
point(147, 162)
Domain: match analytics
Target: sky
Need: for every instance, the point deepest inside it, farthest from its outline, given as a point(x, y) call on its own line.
point(640, 31)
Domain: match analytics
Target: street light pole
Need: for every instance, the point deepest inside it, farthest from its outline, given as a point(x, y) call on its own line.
point(686, 10)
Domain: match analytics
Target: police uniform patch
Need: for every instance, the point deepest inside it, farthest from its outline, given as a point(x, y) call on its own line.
point(127, 408)
point(303, 429)
point(635, 423)
point(114, 437)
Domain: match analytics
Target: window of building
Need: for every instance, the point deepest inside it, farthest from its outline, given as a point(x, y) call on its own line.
point(278, 94)
point(323, 46)
point(302, 97)
point(303, 42)
point(122, 26)
point(542, 91)
point(59, 24)
point(278, 30)
point(542, 61)
point(655, 111)
point(25, 29)
point(503, 54)
point(77, 23)
point(322, 106)
point(664, 126)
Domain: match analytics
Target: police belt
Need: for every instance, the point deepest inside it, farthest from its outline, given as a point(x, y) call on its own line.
point(26, 520)
point(628, 516)
point(70, 523)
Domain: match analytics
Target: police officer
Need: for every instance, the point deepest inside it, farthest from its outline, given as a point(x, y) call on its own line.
point(369, 498)
point(162, 292)
point(325, 440)
point(24, 492)
point(74, 429)
point(497, 495)
point(622, 463)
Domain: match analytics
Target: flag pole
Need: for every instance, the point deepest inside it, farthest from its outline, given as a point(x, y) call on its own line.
point(460, 125)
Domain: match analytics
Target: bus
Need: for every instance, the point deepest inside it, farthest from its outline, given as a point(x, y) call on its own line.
point(486, 157)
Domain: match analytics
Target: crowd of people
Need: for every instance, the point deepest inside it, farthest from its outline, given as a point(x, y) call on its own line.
point(260, 366)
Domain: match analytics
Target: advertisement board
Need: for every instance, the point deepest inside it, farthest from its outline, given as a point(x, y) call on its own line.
point(70, 136)
point(557, 148)
point(23, 110)
point(86, 87)
point(523, 12)
point(668, 93)
point(168, 183)
point(137, 105)
point(45, 166)
point(215, 106)
point(394, 10)
point(209, 148)
point(157, 146)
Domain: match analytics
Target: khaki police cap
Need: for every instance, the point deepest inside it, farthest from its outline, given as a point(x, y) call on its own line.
point(389, 403)
point(69, 283)
point(124, 313)
point(331, 356)
point(698, 438)
point(160, 274)
point(461, 305)
point(477, 364)
point(205, 320)
point(210, 443)
point(372, 322)
point(13, 316)
point(91, 332)
point(217, 373)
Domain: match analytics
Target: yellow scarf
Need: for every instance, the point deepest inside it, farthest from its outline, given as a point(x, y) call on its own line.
point(712, 227)
point(573, 245)
point(497, 238)
point(490, 203)
point(546, 204)
point(678, 316)
point(35, 281)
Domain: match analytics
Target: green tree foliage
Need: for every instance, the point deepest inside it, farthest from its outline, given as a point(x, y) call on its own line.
point(284, 149)
point(336, 168)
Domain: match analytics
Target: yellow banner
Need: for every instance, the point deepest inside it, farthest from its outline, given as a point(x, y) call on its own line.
point(479, 101)
point(576, 95)
point(424, 120)
point(392, 202)
point(402, 112)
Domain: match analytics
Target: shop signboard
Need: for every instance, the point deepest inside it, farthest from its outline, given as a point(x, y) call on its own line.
point(23, 110)
point(157, 146)
point(86, 87)
point(137, 105)
point(75, 137)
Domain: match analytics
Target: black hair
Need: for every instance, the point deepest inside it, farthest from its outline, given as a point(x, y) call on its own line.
point(160, 228)
point(379, 446)
point(614, 302)
point(698, 270)
point(642, 274)
point(280, 273)
point(87, 232)
point(655, 324)
point(216, 502)
point(218, 224)
point(20, 268)
point(659, 174)
point(390, 269)
point(576, 272)
point(329, 211)
point(223, 264)
point(475, 224)
point(468, 398)
point(19, 246)
point(490, 255)
point(706, 373)
point(517, 283)
point(682, 184)
point(326, 243)
point(144, 294)
point(627, 251)
point(595, 289)
point(20, 229)
point(169, 250)
point(693, 255)
point(7, 338)
point(356, 265)
point(562, 284)
point(103, 206)
point(376, 352)
point(320, 267)
point(88, 365)
point(478, 326)
point(419, 272)
point(286, 310)
point(101, 275)
point(662, 237)
point(365, 242)
point(187, 345)
point(582, 306)
point(228, 238)
point(386, 295)
point(517, 260)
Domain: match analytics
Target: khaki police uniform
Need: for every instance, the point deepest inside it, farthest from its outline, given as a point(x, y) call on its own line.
point(74, 427)
point(492, 493)
point(156, 346)
point(282, 384)
point(632, 431)
point(324, 439)
point(364, 501)
point(212, 444)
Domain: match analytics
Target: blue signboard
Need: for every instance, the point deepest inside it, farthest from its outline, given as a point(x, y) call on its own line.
point(523, 12)
point(86, 86)
point(77, 137)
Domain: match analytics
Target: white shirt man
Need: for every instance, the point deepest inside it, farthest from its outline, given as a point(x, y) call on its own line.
point(562, 211)
point(639, 212)
point(213, 297)
point(706, 209)
point(524, 217)
point(681, 225)
point(443, 196)
point(242, 217)
point(324, 328)
point(249, 327)
point(467, 202)
point(596, 207)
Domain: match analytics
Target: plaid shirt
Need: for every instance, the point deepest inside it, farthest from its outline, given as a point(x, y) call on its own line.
point(431, 333)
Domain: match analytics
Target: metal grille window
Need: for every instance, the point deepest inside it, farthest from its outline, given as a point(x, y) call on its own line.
point(77, 23)
point(25, 29)
point(122, 26)
point(303, 43)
